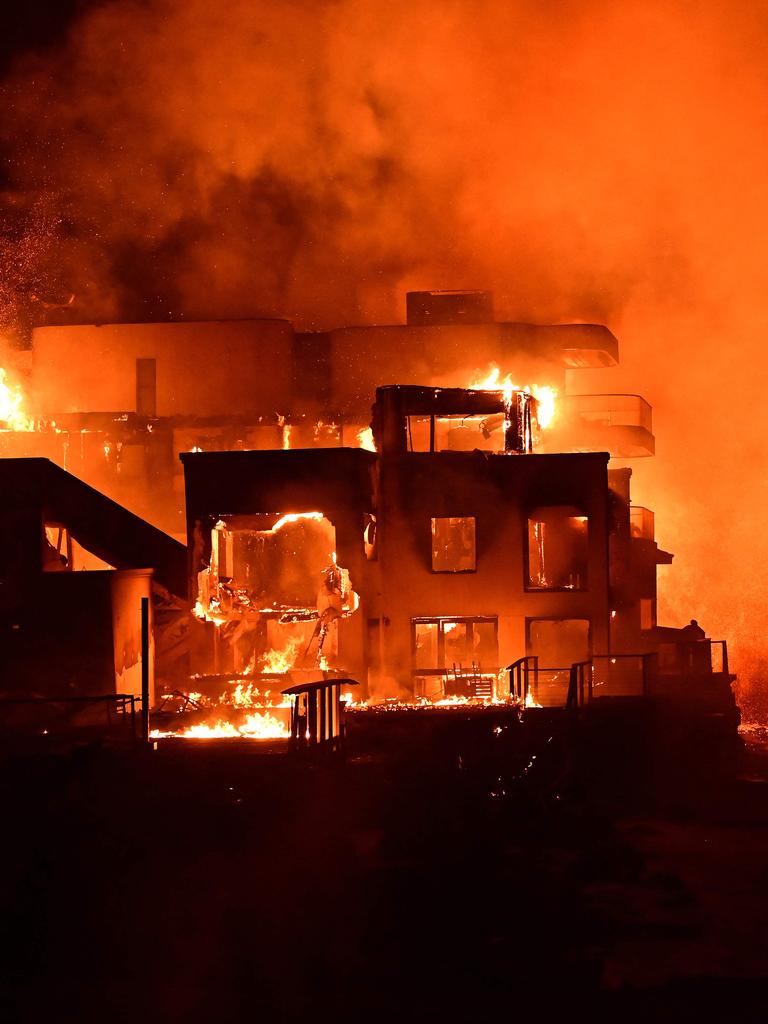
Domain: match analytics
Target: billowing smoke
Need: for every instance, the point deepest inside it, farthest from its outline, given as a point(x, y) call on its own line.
point(313, 160)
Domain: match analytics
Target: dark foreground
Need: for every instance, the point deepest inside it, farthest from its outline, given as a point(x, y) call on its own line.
point(210, 884)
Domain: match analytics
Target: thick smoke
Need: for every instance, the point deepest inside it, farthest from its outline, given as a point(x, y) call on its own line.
point(586, 161)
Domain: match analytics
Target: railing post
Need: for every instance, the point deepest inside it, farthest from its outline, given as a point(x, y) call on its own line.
point(571, 701)
point(145, 669)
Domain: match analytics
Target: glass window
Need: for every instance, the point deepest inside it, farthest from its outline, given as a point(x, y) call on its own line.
point(425, 645)
point(453, 544)
point(557, 549)
point(558, 643)
point(441, 644)
point(455, 637)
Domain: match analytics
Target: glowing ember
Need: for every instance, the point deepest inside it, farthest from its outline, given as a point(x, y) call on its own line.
point(365, 440)
point(260, 725)
point(12, 415)
point(545, 395)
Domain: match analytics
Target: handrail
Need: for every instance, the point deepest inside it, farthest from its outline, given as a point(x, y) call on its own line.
point(647, 659)
point(613, 409)
point(520, 673)
point(576, 682)
point(125, 703)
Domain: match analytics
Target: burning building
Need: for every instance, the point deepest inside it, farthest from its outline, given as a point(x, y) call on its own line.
point(116, 404)
point(474, 521)
point(467, 548)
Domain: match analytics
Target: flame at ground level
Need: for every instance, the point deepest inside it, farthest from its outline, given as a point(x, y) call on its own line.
point(259, 725)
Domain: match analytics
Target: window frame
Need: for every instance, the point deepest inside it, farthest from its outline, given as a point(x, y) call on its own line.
point(440, 620)
point(530, 619)
point(451, 572)
point(530, 588)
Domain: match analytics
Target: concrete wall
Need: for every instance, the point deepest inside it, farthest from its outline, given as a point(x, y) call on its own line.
point(499, 492)
point(221, 368)
point(364, 358)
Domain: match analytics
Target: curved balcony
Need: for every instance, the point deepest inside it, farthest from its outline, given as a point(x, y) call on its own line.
point(619, 424)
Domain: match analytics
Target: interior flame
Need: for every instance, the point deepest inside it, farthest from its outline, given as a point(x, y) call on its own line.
point(365, 440)
point(545, 395)
point(12, 415)
point(283, 660)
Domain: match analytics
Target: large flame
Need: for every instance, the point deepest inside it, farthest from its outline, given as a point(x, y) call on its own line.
point(365, 440)
point(545, 395)
point(283, 660)
point(260, 725)
point(12, 415)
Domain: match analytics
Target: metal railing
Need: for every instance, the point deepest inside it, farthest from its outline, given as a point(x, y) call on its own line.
point(58, 715)
point(522, 673)
point(623, 675)
point(693, 657)
point(579, 684)
point(612, 410)
point(612, 675)
point(641, 522)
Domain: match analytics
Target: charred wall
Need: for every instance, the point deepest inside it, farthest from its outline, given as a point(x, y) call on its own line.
point(498, 492)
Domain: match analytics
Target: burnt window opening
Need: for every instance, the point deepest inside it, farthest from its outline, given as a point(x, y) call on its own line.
point(62, 553)
point(455, 433)
point(558, 549)
point(275, 593)
point(57, 548)
point(146, 387)
point(453, 544)
point(647, 613)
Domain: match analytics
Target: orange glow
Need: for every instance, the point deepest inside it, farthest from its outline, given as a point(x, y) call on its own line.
point(12, 415)
point(545, 395)
point(293, 517)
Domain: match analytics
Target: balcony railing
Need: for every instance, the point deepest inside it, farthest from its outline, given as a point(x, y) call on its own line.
point(612, 410)
point(641, 523)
